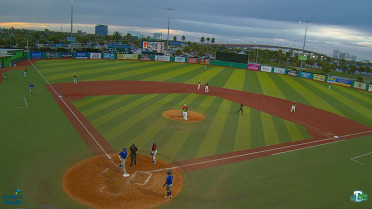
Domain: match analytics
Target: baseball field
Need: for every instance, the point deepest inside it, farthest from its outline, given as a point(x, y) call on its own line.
point(59, 143)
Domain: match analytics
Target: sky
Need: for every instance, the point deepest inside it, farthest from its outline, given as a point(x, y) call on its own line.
point(333, 24)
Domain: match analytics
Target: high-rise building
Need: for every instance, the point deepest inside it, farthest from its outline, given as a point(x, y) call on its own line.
point(158, 36)
point(102, 30)
point(336, 53)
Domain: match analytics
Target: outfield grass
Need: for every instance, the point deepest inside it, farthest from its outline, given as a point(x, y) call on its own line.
point(39, 143)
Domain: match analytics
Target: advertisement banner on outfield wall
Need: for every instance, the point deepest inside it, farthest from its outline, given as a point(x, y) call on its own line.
point(360, 85)
point(279, 70)
point(319, 77)
point(145, 58)
point(306, 75)
point(81, 55)
point(253, 67)
point(179, 59)
point(108, 56)
point(343, 81)
point(331, 79)
point(192, 60)
point(293, 72)
point(36, 55)
point(162, 58)
point(51, 55)
point(205, 61)
point(66, 54)
point(93, 55)
point(131, 57)
point(370, 87)
point(266, 69)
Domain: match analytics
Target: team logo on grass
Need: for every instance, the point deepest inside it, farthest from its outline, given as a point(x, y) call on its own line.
point(359, 196)
point(15, 199)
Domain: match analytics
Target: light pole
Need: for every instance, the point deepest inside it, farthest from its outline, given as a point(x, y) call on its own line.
point(72, 2)
point(170, 10)
point(303, 48)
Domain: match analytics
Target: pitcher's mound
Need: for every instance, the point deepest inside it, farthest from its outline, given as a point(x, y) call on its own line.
point(177, 115)
point(99, 183)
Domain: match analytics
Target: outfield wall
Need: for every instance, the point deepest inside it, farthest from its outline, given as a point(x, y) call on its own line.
point(163, 58)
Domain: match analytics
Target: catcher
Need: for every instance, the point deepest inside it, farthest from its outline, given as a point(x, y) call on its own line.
point(154, 150)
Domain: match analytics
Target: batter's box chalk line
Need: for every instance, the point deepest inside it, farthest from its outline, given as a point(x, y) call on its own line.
point(359, 156)
point(133, 177)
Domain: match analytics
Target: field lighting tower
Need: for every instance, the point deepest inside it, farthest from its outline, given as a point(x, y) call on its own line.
point(72, 3)
point(170, 10)
point(303, 48)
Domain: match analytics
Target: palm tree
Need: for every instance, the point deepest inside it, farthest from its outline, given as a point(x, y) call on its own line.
point(174, 38)
point(183, 38)
point(202, 39)
point(213, 40)
point(116, 36)
point(208, 39)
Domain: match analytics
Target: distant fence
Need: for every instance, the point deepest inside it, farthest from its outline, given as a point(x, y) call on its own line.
point(94, 55)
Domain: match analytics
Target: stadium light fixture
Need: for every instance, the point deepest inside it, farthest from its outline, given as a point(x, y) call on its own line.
point(170, 10)
point(303, 47)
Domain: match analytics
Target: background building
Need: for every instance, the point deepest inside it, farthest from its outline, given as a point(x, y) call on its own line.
point(102, 30)
point(158, 36)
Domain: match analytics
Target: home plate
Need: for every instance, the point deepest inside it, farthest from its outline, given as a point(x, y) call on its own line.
point(335, 137)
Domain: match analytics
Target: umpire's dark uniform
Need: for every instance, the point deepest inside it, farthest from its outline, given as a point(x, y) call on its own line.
point(133, 154)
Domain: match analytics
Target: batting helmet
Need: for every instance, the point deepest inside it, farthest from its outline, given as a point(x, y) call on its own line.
point(169, 172)
point(124, 149)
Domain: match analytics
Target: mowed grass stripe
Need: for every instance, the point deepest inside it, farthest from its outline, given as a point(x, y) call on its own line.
point(252, 83)
point(295, 131)
point(281, 130)
point(228, 135)
point(86, 72)
point(156, 113)
point(209, 107)
point(312, 98)
point(243, 130)
point(106, 104)
point(111, 117)
point(363, 97)
point(71, 67)
point(176, 131)
point(345, 105)
point(160, 123)
point(140, 112)
point(193, 73)
point(269, 87)
point(256, 136)
point(269, 131)
point(204, 76)
point(345, 98)
point(116, 74)
point(213, 138)
point(236, 80)
point(134, 72)
point(221, 78)
point(91, 100)
point(176, 70)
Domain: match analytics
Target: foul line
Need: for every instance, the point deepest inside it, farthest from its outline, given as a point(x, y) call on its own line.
point(353, 159)
point(90, 134)
point(268, 150)
point(24, 99)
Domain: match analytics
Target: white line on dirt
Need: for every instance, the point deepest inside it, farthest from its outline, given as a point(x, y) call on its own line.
point(90, 134)
point(268, 150)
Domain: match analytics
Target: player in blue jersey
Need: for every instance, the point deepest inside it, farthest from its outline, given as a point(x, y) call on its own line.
point(31, 87)
point(123, 156)
point(168, 183)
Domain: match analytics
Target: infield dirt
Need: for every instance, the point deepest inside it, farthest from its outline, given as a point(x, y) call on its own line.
point(99, 183)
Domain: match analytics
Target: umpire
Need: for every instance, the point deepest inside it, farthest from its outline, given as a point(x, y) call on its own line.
point(133, 154)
